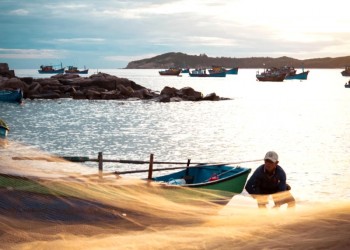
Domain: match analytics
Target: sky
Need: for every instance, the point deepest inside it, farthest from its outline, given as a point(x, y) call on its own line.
point(109, 34)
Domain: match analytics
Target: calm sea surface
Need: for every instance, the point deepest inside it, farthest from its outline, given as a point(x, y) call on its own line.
point(306, 122)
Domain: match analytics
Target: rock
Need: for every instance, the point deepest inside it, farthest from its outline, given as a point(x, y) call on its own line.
point(51, 95)
point(13, 83)
point(211, 97)
point(169, 91)
point(97, 86)
point(5, 71)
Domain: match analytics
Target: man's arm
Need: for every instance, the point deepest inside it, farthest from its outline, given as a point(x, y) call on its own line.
point(251, 183)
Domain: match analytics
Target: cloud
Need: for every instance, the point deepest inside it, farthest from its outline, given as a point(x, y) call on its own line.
point(128, 58)
point(79, 40)
point(19, 12)
point(31, 53)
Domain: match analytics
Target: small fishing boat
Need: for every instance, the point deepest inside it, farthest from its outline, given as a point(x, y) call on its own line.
point(4, 128)
point(170, 72)
point(291, 73)
point(271, 75)
point(217, 71)
point(199, 73)
point(224, 178)
point(346, 71)
point(75, 70)
point(300, 76)
point(232, 71)
point(185, 70)
point(347, 85)
point(11, 95)
point(203, 73)
point(48, 69)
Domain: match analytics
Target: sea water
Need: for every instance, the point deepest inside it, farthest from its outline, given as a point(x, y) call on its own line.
point(306, 122)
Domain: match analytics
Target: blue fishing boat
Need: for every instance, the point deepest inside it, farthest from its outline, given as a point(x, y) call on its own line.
point(217, 71)
point(4, 128)
point(203, 73)
point(185, 70)
point(232, 71)
point(300, 76)
point(48, 69)
point(11, 95)
point(224, 178)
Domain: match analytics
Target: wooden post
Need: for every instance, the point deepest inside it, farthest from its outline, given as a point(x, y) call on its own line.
point(188, 165)
point(100, 164)
point(150, 168)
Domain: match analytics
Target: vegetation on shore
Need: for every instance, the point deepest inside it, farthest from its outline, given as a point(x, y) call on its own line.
point(177, 59)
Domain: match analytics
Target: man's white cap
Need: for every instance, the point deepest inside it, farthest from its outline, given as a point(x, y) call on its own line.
point(272, 156)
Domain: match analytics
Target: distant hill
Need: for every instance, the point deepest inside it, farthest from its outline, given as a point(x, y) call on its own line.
point(181, 60)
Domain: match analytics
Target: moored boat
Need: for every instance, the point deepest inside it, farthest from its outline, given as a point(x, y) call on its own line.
point(185, 70)
point(271, 75)
point(232, 71)
point(170, 72)
point(203, 73)
point(347, 85)
point(4, 128)
point(346, 71)
point(224, 178)
point(300, 76)
point(291, 73)
point(199, 73)
point(11, 95)
point(49, 69)
point(217, 71)
point(75, 70)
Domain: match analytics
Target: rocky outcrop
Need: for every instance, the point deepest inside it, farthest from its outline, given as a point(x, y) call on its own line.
point(98, 86)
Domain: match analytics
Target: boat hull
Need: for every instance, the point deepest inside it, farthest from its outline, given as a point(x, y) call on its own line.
point(263, 78)
point(233, 71)
point(86, 71)
point(217, 74)
point(230, 179)
point(170, 72)
point(345, 73)
point(300, 76)
point(3, 131)
point(11, 95)
point(56, 71)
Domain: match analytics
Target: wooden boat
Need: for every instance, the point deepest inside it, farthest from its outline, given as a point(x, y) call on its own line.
point(11, 95)
point(225, 178)
point(48, 69)
point(4, 128)
point(300, 76)
point(291, 73)
point(185, 70)
point(199, 73)
point(170, 72)
point(346, 71)
point(75, 70)
point(271, 75)
point(232, 71)
point(217, 71)
point(203, 73)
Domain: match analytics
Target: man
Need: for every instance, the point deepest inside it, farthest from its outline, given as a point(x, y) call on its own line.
point(270, 179)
